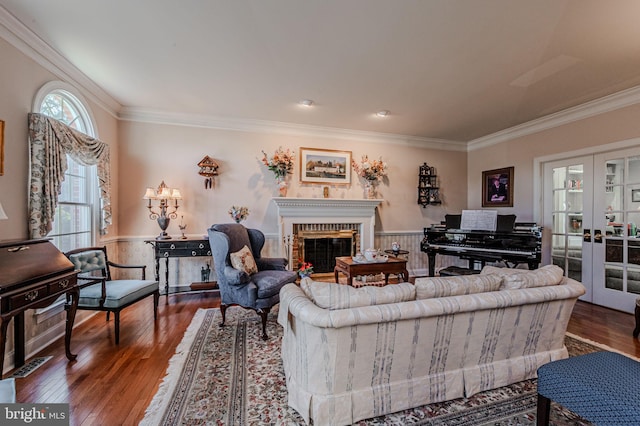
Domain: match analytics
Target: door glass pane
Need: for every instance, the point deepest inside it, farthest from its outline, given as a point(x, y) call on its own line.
point(559, 223)
point(633, 280)
point(574, 257)
point(633, 252)
point(559, 178)
point(560, 200)
point(634, 223)
point(613, 250)
point(613, 277)
point(634, 170)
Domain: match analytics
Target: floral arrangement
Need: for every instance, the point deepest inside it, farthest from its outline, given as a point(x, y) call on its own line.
point(281, 163)
point(370, 170)
point(239, 213)
point(305, 269)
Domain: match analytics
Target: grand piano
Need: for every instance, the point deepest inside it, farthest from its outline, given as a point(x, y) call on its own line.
point(511, 243)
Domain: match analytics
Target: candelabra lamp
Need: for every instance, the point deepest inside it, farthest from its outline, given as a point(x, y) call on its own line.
point(165, 196)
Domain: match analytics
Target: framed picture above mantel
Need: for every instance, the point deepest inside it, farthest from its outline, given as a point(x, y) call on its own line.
point(497, 187)
point(325, 166)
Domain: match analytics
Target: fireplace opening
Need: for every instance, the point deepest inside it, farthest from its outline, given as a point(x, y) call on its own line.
point(321, 248)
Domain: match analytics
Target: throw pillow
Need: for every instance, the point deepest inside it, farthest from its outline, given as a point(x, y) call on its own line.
point(338, 296)
point(432, 287)
point(243, 260)
point(525, 278)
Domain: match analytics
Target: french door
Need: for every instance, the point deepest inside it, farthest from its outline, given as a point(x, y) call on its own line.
point(592, 204)
point(617, 207)
point(568, 197)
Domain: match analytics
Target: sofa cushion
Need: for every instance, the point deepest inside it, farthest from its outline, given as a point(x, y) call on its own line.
point(525, 278)
point(338, 296)
point(432, 287)
point(243, 261)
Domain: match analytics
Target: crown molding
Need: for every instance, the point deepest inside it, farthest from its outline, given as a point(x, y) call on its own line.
point(27, 42)
point(603, 105)
point(293, 129)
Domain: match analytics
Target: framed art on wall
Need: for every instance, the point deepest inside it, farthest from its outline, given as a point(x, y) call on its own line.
point(497, 188)
point(325, 166)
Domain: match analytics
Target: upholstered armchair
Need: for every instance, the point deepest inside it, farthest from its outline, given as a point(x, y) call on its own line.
point(244, 277)
point(99, 292)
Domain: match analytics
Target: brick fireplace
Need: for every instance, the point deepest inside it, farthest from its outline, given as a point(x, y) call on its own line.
point(301, 219)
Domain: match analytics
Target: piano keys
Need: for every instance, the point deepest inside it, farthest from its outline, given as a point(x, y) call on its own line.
point(522, 244)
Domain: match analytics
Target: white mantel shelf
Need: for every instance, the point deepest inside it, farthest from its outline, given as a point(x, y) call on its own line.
point(328, 210)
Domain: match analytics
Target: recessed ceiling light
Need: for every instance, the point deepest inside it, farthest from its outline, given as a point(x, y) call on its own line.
point(382, 113)
point(306, 103)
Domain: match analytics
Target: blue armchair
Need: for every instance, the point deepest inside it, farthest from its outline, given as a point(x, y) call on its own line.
point(259, 291)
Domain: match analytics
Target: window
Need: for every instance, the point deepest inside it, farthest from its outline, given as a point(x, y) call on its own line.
point(76, 213)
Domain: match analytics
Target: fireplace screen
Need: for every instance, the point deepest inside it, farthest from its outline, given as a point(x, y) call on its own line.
point(321, 248)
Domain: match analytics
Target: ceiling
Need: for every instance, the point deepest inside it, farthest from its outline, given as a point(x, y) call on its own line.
point(453, 70)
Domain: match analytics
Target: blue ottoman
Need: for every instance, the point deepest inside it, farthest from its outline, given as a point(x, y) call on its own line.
point(602, 387)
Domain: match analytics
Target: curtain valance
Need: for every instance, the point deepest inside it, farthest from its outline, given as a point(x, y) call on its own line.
point(50, 142)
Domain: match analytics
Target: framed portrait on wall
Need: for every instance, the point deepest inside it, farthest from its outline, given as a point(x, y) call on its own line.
point(325, 166)
point(497, 188)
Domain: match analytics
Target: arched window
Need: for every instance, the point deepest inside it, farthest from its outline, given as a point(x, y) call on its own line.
point(76, 213)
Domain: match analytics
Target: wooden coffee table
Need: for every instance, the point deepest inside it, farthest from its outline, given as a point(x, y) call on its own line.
point(393, 265)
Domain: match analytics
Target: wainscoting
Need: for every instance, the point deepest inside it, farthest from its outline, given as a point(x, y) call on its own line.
point(184, 271)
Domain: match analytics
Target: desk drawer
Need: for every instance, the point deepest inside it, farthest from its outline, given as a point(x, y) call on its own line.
point(27, 297)
point(183, 248)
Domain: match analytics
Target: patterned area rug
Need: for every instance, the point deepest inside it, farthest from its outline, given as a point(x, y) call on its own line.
point(230, 376)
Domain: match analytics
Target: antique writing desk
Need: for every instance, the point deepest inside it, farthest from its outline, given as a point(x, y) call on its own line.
point(33, 274)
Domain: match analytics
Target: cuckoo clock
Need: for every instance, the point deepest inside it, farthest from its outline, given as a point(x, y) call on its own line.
point(208, 169)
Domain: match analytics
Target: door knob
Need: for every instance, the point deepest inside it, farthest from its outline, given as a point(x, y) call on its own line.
point(586, 236)
point(597, 238)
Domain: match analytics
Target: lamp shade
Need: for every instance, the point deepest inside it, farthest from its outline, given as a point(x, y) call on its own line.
point(3, 215)
point(175, 194)
point(149, 194)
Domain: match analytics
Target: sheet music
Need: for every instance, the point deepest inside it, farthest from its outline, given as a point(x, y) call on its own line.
point(479, 220)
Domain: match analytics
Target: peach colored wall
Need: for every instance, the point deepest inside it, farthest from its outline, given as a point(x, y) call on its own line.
point(20, 79)
point(520, 152)
point(150, 153)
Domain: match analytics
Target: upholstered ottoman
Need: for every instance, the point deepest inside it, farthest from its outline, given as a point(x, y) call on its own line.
point(602, 387)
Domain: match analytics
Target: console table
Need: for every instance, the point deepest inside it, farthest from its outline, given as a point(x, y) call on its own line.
point(189, 247)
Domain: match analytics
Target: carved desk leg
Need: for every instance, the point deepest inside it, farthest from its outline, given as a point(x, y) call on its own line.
point(4, 323)
point(71, 316)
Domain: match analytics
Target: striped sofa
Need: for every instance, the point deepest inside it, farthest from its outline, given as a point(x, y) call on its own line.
point(352, 354)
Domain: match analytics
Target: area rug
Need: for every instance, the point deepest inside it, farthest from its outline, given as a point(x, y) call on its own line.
point(230, 376)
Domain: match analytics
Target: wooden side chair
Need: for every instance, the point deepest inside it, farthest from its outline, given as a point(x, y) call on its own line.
point(99, 292)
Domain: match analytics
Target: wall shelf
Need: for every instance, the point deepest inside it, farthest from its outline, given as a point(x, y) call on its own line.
point(428, 190)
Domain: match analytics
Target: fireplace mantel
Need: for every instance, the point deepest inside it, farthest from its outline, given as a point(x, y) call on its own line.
point(328, 210)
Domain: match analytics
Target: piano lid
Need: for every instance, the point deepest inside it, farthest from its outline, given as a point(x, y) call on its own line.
point(26, 261)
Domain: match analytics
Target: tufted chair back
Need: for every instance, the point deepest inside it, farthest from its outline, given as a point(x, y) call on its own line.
point(89, 261)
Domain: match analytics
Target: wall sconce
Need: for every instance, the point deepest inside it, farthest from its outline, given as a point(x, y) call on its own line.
point(3, 215)
point(208, 169)
point(164, 195)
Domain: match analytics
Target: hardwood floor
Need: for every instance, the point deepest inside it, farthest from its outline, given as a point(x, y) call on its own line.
point(113, 385)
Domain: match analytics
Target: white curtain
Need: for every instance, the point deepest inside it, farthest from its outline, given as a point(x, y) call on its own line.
point(50, 141)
